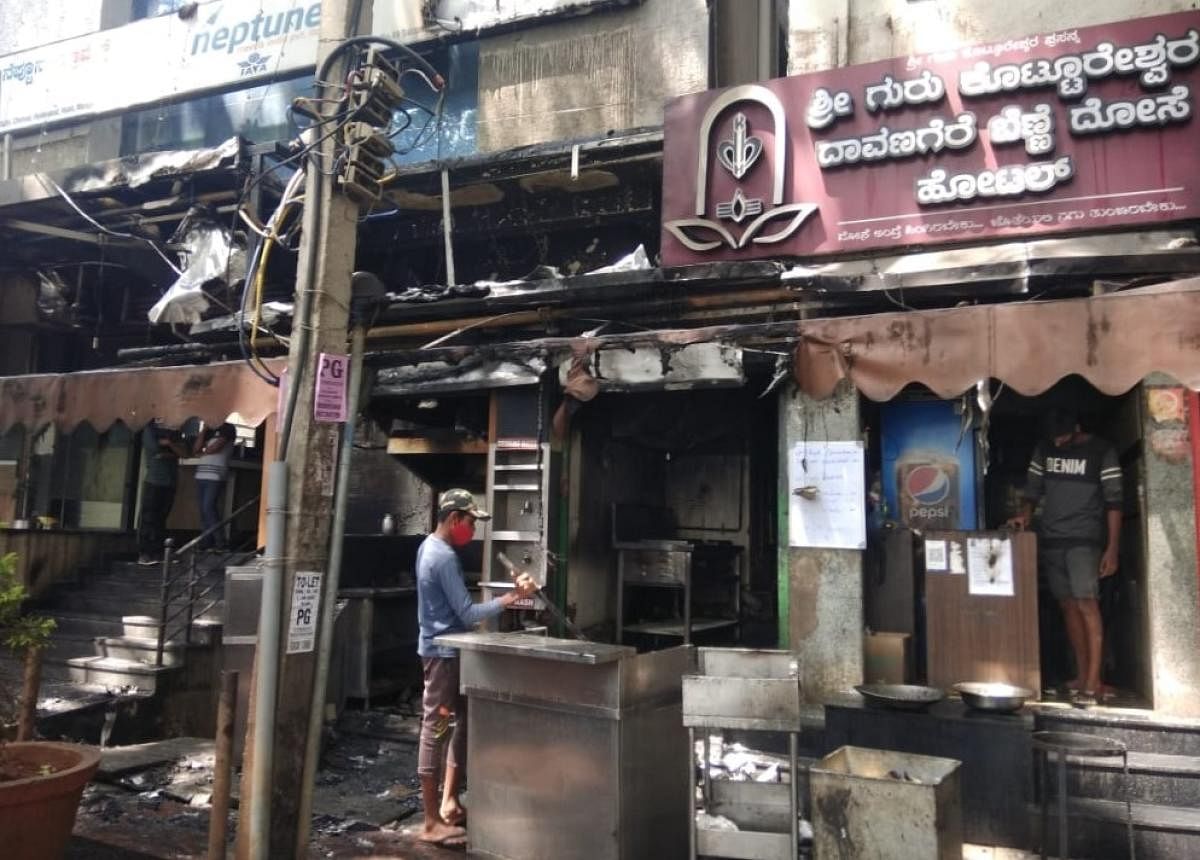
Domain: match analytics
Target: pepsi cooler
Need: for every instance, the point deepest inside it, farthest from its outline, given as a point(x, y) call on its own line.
point(930, 473)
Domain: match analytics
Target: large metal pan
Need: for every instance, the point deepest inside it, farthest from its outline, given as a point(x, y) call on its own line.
point(995, 697)
point(902, 697)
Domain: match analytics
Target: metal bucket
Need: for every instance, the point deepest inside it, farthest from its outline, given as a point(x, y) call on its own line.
point(886, 805)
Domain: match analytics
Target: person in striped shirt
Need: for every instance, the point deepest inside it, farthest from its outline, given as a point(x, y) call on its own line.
point(1077, 477)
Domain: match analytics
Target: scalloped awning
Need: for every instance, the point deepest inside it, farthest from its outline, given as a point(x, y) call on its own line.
point(133, 396)
point(1113, 341)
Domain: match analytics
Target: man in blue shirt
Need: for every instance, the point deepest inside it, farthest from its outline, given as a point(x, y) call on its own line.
point(445, 606)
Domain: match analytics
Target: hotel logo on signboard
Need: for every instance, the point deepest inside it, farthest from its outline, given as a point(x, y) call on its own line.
point(738, 154)
point(1074, 130)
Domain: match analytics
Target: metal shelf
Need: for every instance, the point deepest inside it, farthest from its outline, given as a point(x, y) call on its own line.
point(676, 628)
point(516, 536)
point(516, 488)
point(739, 688)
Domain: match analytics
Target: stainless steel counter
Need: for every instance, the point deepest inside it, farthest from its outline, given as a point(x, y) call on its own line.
point(538, 647)
point(577, 750)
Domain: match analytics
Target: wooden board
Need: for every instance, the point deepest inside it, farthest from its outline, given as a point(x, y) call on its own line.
point(984, 637)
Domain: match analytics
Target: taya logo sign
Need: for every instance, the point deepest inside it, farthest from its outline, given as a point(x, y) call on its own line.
point(255, 64)
point(738, 154)
point(1072, 130)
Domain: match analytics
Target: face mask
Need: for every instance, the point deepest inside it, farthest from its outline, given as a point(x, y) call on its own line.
point(462, 532)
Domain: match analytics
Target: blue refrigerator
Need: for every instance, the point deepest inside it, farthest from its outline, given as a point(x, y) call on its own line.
point(930, 474)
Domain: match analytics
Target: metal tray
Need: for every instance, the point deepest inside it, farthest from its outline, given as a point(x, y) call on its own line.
point(901, 697)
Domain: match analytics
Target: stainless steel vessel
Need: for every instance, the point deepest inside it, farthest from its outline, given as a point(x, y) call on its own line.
point(993, 696)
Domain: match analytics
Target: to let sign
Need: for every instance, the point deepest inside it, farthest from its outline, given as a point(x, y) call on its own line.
point(329, 400)
point(306, 603)
point(1078, 129)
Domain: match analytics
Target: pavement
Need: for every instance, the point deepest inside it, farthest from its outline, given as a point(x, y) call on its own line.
point(152, 801)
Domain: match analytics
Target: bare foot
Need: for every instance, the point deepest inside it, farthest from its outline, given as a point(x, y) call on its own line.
point(453, 813)
point(440, 833)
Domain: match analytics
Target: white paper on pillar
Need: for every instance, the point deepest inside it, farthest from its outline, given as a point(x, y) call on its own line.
point(827, 495)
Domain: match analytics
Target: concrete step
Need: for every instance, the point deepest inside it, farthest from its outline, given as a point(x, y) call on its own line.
point(1097, 829)
point(140, 649)
point(1157, 778)
point(85, 624)
point(108, 604)
point(1140, 731)
point(64, 646)
point(205, 631)
point(115, 672)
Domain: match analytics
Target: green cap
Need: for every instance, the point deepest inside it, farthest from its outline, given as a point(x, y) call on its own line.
point(461, 500)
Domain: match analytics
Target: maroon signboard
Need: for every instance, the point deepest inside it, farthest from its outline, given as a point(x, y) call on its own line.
point(1072, 130)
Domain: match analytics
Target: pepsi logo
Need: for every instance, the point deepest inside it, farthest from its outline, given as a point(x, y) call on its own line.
point(927, 485)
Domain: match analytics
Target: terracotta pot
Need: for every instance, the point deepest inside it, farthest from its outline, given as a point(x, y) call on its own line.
point(37, 814)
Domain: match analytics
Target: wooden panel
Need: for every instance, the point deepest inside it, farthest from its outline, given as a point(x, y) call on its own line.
point(984, 637)
point(8, 491)
point(891, 584)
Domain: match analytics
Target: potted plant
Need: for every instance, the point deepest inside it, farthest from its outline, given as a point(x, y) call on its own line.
point(41, 782)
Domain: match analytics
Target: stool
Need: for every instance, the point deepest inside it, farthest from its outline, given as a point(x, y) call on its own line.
point(1061, 745)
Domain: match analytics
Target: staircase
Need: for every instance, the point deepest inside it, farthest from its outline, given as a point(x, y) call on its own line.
point(1162, 786)
point(102, 678)
point(108, 625)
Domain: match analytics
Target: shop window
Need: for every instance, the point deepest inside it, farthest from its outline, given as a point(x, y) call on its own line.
point(154, 8)
point(421, 137)
point(259, 114)
point(748, 41)
point(80, 481)
point(10, 455)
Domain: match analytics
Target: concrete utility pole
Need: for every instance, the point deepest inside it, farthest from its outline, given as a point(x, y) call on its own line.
point(311, 455)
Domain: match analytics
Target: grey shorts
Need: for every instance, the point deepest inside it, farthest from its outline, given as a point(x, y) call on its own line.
point(444, 717)
point(1072, 572)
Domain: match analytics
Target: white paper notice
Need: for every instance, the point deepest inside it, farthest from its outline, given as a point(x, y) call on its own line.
point(989, 566)
point(935, 555)
point(306, 601)
point(958, 564)
point(827, 498)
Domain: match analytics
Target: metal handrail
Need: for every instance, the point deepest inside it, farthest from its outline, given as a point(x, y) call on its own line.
point(192, 601)
point(171, 555)
point(190, 545)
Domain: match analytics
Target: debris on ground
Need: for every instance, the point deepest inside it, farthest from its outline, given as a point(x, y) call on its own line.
point(154, 800)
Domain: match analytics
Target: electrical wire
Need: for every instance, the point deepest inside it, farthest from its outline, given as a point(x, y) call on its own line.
point(255, 275)
point(313, 215)
point(67, 197)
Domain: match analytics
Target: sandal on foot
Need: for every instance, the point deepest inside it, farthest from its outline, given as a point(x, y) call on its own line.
point(1083, 699)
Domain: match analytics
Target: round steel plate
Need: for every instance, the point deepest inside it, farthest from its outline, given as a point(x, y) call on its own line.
point(904, 697)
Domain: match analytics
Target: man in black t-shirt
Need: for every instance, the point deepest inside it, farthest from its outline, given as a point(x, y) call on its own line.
point(1078, 478)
